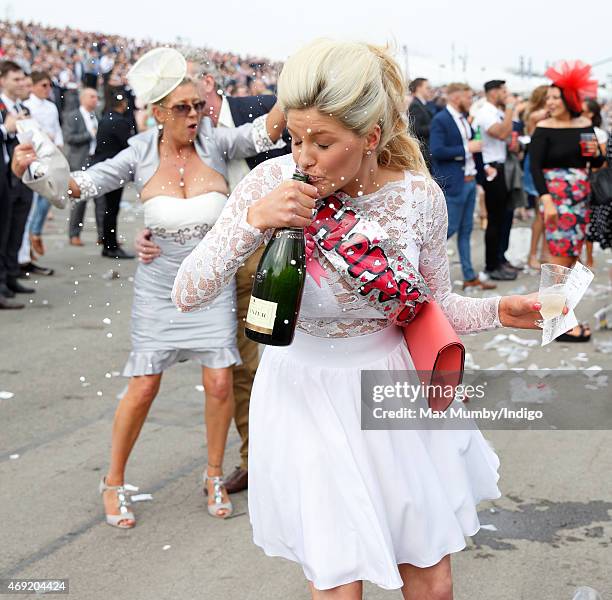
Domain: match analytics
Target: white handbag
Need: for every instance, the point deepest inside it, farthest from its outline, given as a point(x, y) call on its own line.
point(49, 174)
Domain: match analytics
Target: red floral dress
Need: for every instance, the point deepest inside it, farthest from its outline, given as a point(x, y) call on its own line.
point(570, 190)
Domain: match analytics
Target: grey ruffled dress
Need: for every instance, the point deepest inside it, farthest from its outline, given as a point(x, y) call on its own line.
point(162, 335)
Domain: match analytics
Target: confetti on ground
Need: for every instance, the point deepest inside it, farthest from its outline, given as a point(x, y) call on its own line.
point(522, 341)
point(199, 388)
point(6, 395)
point(141, 497)
point(110, 274)
point(489, 527)
point(14, 456)
point(167, 547)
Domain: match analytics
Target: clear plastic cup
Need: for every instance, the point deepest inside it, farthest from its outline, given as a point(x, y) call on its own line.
point(552, 294)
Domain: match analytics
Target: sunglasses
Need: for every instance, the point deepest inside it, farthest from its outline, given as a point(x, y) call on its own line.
point(183, 110)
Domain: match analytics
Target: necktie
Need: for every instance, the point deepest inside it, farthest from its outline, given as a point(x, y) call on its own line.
point(465, 128)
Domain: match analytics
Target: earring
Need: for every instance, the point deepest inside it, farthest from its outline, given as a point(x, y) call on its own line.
point(369, 152)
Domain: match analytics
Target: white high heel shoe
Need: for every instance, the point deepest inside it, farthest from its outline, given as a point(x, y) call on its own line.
point(123, 501)
point(218, 489)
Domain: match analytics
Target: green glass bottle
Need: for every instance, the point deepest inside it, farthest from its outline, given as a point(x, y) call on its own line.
point(477, 135)
point(278, 286)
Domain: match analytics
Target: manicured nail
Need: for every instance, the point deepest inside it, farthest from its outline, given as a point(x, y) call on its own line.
point(537, 306)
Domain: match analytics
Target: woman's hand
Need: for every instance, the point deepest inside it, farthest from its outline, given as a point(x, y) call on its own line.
point(291, 204)
point(550, 210)
point(147, 250)
point(23, 157)
point(275, 123)
point(522, 312)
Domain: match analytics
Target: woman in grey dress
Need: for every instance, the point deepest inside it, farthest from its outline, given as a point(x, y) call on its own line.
point(181, 175)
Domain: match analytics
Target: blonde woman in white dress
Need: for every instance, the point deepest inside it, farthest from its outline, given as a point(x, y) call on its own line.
point(350, 505)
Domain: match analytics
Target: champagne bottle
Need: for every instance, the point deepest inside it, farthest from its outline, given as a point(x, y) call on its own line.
point(278, 286)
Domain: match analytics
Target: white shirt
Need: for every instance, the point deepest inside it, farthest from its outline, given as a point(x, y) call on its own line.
point(91, 122)
point(601, 135)
point(469, 168)
point(44, 112)
point(493, 150)
point(67, 79)
point(237, 168)
point(106, 64)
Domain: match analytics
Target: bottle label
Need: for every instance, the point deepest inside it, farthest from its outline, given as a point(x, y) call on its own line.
point(292, 234)
point(261, 315)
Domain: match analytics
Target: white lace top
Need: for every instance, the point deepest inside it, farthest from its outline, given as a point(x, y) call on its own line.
point(412, 211)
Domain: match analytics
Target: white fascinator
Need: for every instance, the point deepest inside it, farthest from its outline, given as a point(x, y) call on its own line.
point(156, 73)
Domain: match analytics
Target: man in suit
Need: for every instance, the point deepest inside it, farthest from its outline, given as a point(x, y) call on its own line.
point(419, 115)
point(226, 111)
point(16, 198)
point(80, 131)
point(457, 162)
point(114, 131)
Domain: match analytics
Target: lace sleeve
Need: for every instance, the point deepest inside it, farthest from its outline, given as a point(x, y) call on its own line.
point(466, 315)
point(214, 261)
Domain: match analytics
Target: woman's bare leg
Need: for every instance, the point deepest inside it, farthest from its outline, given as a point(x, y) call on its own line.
point(537, 229)
point(218, 415)
point(429, 583)
point(589, 255)
point(130, 415)
point(350, 591)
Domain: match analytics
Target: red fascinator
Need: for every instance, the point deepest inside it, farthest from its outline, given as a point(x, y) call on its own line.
point(573, 78)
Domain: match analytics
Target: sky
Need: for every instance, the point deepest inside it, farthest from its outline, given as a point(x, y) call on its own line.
point(491, 34)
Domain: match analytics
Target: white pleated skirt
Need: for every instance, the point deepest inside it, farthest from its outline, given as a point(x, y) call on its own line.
point(344, 503)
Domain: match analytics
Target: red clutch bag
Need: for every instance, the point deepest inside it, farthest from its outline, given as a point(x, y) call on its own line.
point(437, 354)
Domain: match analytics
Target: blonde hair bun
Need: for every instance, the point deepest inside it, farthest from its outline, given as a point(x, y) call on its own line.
point(358, 84)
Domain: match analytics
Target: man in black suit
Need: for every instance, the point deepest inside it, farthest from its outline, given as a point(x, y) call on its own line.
point(15, 197)
point(6, 295)
point(419, 115)
point(227, 111)
point(114, 131)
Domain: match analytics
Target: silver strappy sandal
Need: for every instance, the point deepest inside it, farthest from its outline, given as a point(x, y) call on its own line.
point(219, 486)
point(123, 501)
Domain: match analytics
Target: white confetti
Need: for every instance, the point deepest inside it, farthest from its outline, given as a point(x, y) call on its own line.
point(489, 526)
point(14, 456)
point(167, 547)
point(106, 321)
point(6, 395)
point(141, 497)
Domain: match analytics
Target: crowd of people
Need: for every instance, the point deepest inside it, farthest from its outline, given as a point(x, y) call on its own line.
point(74, 84)
point(204, 133)
point(517, 157)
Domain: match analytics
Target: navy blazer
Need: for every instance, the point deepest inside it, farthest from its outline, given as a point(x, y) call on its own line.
point(247, 108)
point(448, 153)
